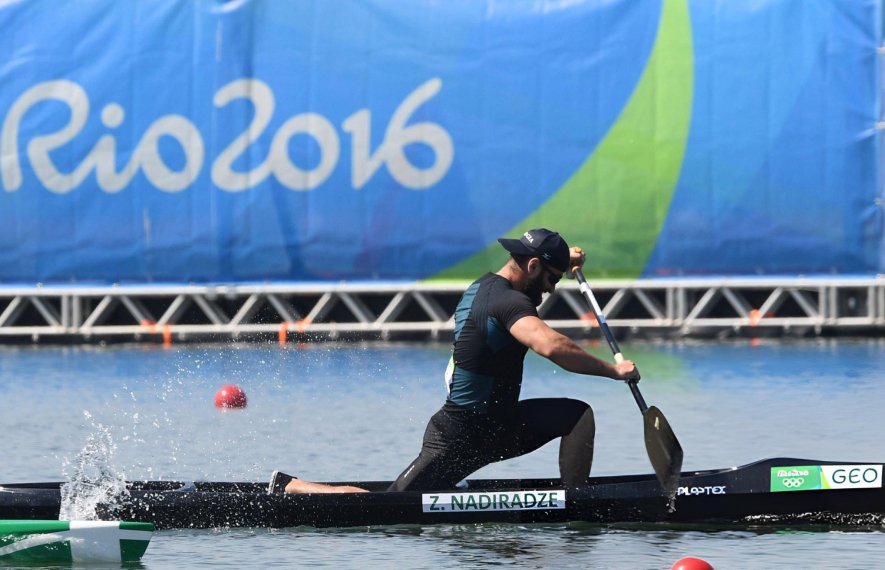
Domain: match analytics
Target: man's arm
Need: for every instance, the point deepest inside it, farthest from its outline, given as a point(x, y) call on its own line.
point(537, 335)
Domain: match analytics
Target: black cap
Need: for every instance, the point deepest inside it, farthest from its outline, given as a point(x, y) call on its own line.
point(542, 243)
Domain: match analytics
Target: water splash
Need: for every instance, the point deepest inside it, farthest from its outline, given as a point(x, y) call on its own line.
point(855, 521)
point(671, 502)
point(94, 478)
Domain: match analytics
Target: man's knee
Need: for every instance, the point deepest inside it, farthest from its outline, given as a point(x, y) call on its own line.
point(585, 425)
point(579, 411)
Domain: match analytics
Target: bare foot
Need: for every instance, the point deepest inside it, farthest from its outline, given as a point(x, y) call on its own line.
point(302, 486)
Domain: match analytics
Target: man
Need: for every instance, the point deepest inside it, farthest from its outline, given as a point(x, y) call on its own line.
point(483, 421)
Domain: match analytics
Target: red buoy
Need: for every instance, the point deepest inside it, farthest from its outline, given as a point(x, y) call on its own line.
point(230, 396)
point(691, 563)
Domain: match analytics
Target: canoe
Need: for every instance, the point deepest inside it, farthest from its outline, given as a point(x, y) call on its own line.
point(780, 491)
point(55, 542)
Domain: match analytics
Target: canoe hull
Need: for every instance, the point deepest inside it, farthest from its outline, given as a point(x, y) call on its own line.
point(751, 495)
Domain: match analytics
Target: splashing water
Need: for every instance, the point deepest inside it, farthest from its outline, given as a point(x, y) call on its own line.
point(94, 479)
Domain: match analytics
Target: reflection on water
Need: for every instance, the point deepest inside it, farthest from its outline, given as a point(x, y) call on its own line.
point(525, 545)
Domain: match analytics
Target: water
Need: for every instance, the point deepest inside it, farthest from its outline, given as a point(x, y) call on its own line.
point(336, 411)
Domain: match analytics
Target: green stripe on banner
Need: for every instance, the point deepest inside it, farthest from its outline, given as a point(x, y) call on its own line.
point(64, 542)
point(615, 204)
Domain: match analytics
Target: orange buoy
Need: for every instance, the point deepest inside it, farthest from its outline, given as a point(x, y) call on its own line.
point(691, 563)
point(230, 396)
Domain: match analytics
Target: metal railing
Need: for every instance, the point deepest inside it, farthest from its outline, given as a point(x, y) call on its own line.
point(668, 307)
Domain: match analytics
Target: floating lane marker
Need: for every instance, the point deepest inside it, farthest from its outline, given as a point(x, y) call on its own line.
point(54, 542)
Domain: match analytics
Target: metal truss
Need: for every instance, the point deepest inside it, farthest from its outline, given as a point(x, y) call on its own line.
point(670, 307)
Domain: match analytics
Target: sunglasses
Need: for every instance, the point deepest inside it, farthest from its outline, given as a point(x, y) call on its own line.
point(554, 278)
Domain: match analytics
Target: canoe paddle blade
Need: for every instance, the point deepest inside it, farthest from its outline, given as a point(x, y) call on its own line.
point(663, 449)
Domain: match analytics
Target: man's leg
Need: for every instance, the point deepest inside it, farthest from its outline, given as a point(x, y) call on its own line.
point(544, 419)
point(281, 482)
point(576, 451)
point(450, 452)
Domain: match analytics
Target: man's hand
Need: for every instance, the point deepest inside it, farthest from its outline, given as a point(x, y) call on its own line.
point(627, 371)
point(577, 258)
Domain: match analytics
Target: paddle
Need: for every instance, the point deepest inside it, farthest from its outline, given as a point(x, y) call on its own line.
point(663, 448)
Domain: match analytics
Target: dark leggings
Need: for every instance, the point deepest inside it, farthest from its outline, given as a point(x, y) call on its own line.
point(457, 442)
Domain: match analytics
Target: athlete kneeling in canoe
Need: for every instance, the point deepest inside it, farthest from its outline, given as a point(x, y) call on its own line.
point(483, 420)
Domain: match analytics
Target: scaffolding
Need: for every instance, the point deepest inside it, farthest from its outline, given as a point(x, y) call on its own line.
point(298, 311)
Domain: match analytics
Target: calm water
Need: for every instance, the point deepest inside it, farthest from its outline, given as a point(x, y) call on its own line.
point(331, 412)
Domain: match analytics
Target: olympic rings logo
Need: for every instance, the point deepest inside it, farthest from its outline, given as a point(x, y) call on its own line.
point(793, 482)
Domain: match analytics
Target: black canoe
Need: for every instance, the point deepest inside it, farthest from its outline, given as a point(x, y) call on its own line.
point(783, 491)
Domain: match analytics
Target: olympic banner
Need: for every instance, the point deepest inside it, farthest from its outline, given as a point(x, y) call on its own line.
point(304, 140)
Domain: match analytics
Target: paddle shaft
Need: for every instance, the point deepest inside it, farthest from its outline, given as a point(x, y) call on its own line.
point(663, 448)
point(606, 331)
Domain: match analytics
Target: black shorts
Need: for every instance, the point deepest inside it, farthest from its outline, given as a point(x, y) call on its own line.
point(458, 441)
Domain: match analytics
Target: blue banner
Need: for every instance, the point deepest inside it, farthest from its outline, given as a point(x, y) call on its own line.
point(211, 141)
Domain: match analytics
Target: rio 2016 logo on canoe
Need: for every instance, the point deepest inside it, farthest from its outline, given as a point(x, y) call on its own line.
point(493, 501)
point(822, 477)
